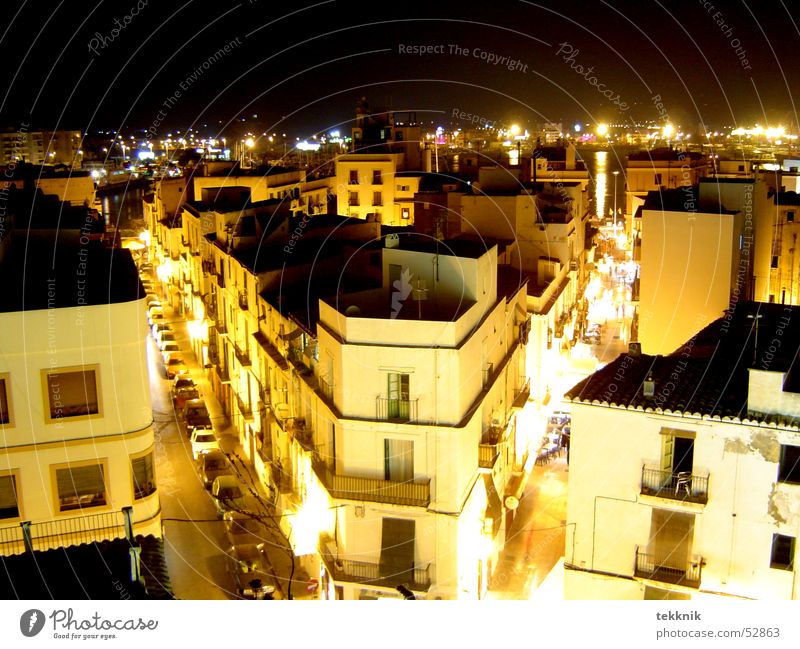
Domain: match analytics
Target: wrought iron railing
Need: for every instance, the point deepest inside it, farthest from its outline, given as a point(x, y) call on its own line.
point(487, 455)
point(416, 578)
point(488, 370)
point(400, 410)
point(413, 493)
point(63, 532)
point(326, 388)
point(242, 354)
point(683, 486)
point(669, 571)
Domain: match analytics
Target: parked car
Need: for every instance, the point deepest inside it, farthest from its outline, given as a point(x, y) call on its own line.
point(174, 365)
point(203, 440)
point(242, 528)
point(183, 389)
point(195, 414)
point(164, 336)
point(211, 465)
point(246, 566)
point(228, 494)
point(169, 348)
point(155, 315)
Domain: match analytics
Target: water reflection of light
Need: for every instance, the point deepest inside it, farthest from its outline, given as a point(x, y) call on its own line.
point(600, 184)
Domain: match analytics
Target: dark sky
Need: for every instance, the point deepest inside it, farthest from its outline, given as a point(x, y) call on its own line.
point(301, 66)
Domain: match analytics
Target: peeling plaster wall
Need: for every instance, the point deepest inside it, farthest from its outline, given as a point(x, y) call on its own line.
point(733, 532)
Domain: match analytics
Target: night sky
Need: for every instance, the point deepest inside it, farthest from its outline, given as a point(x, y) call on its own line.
point(301, 66)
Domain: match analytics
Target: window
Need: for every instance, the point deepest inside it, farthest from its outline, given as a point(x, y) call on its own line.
point(5, 406)
point(72, 392)
point(377, 177)
point(9, 503)
point(353, 177)
point(782, 556)
point(790, 216)
point(657, 179)
point(398, 460)
point(354, 198)
point(144, 477)
point(80, 487)
point(789, 465)
point(377, 199)
point(405, 212)
point(774, 263)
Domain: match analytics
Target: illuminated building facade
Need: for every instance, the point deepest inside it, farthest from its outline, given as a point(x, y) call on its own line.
point(685, 469)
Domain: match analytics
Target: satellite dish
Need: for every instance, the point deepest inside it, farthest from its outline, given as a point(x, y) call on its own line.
point(352, 310)
point(512, 502)
point(392, 241)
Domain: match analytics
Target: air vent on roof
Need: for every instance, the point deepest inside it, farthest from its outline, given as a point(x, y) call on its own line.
point(635, 349)
point(649, 386)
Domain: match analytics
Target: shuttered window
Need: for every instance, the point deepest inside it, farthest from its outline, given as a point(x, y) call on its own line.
point(397, 549)
point(80, 487)
point(9, 505)
point(144, 477)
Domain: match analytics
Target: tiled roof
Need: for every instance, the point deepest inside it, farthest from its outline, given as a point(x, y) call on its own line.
point(708, 375)
point(86, 571)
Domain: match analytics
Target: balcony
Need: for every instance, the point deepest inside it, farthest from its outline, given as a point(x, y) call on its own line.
point(415, 494)
point(685, 487)
point(63, 533)
point(208, 267)
point(361, 572)
point(220, 279)
point(242, 355)
point(244, 408)
point(326, 389)
point(397, 410)
point(521, 398)
point(490, 447)
point(488, 370)
point(243, 300)
point(669, 571)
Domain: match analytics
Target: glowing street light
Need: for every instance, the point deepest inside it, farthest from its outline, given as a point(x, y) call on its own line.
point(616, 173)
point(602, 130)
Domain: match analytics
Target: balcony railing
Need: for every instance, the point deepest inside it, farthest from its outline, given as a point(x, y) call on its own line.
point(63, 532)
point(488, 370)
point(326, 388)
point(490, 446)
point(669, 571)
point(242, 355)
point(361, 572)
point(675, 486)
point(487, 455)
point(243, 300)
point(244, 408)
point(521, 398)
point(399, 410)
point(415, 494)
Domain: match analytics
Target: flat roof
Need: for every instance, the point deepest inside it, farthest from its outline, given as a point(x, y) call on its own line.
point(45, 269)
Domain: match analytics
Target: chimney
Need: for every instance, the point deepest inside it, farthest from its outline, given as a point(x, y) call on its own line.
point(649, 387)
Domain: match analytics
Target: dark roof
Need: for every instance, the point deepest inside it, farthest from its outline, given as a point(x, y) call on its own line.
point(683, 199)
point(57, 269)
point(786, 198)
point(87, 571)
point(708, 375)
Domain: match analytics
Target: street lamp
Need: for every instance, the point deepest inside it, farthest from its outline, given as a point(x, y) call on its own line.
point(616, 173)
